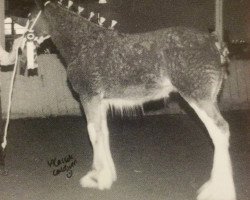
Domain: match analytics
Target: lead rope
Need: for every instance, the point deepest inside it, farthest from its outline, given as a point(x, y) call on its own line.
point(4, 143)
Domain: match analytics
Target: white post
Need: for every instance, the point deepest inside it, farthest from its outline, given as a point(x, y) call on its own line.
point(2, 43)
point(2, 37)
point(219, 19)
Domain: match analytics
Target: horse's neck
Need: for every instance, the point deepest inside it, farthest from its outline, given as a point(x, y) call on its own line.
point(71, 32)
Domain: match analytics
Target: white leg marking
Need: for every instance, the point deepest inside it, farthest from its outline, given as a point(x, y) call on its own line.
point(100, 179)
point(221, 184)
point(92, 133)
point(103, 173)
point(107, 149)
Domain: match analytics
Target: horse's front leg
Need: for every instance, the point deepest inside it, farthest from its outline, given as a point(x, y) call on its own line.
point(103, 173)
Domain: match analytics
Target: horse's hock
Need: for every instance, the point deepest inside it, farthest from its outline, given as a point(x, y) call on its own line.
point(49, 95)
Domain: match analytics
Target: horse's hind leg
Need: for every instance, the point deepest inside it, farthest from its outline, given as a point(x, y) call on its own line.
point(221, 185)
point(103, 172)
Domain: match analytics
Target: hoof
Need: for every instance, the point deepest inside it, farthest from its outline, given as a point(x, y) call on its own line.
point(101, 180)
point(217, 190)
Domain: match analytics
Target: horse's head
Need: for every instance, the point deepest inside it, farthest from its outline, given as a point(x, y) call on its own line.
point(72, 26)
point(37, 22)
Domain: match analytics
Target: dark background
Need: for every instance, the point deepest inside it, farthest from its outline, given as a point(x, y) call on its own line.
point(144, 15)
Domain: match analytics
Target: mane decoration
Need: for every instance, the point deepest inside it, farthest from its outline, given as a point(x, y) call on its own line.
point(75, 28)
point(93, 17)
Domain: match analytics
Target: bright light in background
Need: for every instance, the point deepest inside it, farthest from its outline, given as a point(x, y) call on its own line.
point(7, 27)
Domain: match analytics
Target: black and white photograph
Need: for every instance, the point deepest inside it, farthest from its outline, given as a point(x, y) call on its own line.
point(124, 99)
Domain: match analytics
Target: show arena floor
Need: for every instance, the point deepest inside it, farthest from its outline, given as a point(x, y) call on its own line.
point(157, 157)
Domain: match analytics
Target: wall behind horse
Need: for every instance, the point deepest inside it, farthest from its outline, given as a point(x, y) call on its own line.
point(40, 96)
point(49, 95)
